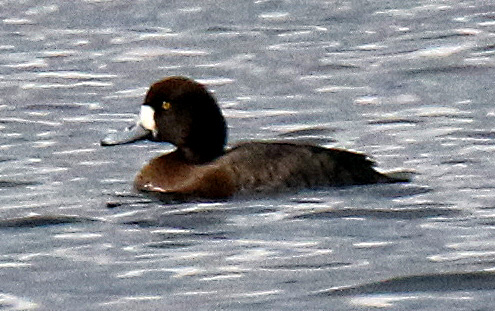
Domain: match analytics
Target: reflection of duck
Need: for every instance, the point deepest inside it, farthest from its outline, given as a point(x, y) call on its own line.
point(182, 112)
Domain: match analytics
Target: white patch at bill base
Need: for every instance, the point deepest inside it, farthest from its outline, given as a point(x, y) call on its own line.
point(147, 118)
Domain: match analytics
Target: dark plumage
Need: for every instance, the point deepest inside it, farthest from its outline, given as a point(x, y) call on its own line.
point(182, 112)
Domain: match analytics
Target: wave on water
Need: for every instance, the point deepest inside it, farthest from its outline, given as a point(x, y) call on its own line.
point(439, 282)
point(406, 213)
point(41, 221)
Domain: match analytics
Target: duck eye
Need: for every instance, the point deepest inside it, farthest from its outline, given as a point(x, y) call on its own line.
point(166, 105)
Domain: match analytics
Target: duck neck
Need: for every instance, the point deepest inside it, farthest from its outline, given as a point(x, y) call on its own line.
point(205, 138)
point(200, 155)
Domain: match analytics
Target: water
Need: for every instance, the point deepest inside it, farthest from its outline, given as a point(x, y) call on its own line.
point(409, 83)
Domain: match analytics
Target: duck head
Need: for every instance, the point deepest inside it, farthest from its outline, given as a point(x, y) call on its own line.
point(182, 112)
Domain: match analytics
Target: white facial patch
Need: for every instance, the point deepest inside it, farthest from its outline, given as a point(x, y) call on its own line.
point(147, 118)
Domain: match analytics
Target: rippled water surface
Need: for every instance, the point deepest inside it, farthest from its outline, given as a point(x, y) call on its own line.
point(408, 82)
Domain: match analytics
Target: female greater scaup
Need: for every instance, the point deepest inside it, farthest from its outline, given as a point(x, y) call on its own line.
point(182, 112)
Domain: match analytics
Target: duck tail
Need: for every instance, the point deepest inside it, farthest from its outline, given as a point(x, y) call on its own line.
point(398, 176)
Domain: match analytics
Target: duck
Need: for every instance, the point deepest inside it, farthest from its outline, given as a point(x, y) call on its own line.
point(181, 111)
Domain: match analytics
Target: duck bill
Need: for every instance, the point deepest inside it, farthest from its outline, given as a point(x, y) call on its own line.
point(129, 135)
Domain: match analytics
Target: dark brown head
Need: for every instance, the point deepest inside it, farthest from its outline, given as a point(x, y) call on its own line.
point(182, 112)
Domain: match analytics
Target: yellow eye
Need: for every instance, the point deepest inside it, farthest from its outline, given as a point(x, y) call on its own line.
point(166, 105)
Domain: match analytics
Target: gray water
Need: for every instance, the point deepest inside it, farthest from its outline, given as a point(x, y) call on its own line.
point(409, 83)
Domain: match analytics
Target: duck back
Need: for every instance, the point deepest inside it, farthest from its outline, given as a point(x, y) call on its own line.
point(261, 167)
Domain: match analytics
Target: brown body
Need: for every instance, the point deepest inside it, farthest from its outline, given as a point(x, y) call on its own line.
point(258, 168)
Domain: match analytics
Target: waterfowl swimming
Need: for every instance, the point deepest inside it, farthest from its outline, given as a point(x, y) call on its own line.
point(184, 113)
